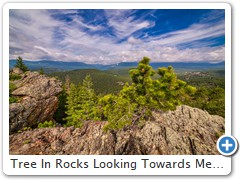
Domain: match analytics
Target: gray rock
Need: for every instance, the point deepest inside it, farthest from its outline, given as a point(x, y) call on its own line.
point(185, 131)
point(17, 71)
point(38, 100)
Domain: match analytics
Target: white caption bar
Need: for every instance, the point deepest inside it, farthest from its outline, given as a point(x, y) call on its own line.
point(118, 165)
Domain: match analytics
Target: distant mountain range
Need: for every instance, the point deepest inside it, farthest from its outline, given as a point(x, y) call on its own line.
point(66, 66)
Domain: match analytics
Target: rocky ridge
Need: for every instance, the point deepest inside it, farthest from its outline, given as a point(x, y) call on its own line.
point(185, 131)
point(38, 99)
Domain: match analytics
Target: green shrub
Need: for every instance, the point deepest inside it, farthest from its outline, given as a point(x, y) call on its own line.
point(26, 141)
point(13, 77)
point(27, 129)
point(24, 129)
point(12, 99)
point(46, 124)
point(12, 87)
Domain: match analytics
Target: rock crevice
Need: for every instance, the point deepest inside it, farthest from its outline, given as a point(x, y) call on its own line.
point(170, 133)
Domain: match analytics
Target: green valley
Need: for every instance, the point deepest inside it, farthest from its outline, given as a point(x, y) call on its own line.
point(104, 82)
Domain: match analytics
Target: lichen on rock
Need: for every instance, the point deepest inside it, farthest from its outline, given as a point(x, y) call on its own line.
point(185, 131)
point(37, 103)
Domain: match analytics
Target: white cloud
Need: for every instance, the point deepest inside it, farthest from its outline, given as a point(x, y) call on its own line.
point(32, 33)
point(124, 24)
point(29, 28)
point(91, 27)
point(193, 33)
point(133, 40)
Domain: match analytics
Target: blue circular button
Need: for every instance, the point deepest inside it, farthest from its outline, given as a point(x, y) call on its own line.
point(227, 145)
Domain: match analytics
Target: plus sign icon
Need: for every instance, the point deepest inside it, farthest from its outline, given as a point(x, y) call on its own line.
point(227, 145)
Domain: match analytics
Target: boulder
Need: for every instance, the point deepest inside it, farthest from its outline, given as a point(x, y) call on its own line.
point(185, 131)
point(38, 100)
point(17, 71)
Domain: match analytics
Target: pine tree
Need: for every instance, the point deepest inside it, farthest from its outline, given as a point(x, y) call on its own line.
point(89, 99)
point(81, 103)
point(117, 110)
point(169, 91)
point(41, 71)
point(20, 64)
point(141, 76)
point(72, 106)
point(135, 103)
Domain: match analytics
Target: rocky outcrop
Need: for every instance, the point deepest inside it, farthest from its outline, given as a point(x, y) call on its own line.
point(37, 100)
point(184, 131)
point(17, 71)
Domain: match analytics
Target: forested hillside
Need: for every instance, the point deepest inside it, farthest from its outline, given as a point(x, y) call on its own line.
point(114, 78)
point(104, 82)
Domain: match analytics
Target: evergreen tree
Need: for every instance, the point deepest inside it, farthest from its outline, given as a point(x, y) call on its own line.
point(118, 110)
point(169, 91)
point(41, 71)
point(141, 76)
point(135, 103)
point(72, 105)
point(89, 99)
point(81, 103)
point(20, 64)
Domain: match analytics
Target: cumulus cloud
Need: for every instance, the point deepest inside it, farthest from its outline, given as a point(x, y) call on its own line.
point(67, 36)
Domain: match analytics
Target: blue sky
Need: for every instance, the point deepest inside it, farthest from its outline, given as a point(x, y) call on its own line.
point(113, 36)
